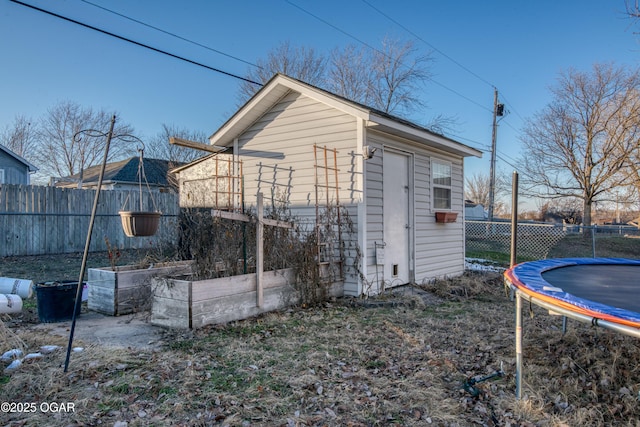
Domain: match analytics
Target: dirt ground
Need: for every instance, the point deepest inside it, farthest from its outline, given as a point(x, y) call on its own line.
point(441, 354)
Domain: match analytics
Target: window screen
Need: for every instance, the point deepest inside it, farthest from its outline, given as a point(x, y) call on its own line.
point(441, 184)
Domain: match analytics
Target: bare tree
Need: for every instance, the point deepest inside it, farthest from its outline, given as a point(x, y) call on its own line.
point(568, 209)
point(579, 143)
point(350, 73)
point(158, 147)
point(477, 188)
point(388, 79)
point(399, 72)
point(632, 8)
point(300, 62)
point(58, 154)
point(20, 137)
point(632, 173)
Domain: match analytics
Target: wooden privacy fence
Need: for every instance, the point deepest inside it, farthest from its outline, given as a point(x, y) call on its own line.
point(36, 220)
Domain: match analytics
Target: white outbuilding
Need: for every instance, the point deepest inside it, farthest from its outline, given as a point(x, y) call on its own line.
point(401, 183)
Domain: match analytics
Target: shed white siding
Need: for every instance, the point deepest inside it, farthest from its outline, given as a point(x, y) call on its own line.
point(438, 249)
point(277, 151)
point(279, 160)
point(274, 136)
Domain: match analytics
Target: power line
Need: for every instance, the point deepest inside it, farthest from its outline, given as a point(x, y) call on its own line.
point(462, 66)
point(513, 109)
point(380, 52)
point(427, 43)
point(501, 157)
point(462, 96)
point(170, 34)
point(335, 27)
point(479, 145)
point(135, 42)
point(212, 68)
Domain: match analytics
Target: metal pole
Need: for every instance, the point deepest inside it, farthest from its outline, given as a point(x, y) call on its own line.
point(518, 346)
point(259, 252)
point(492, 173)
point(514, 218)
point(88, 242)
point(514, 241)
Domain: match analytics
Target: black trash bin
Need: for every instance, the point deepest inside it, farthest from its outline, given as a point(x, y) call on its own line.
point(56, 301)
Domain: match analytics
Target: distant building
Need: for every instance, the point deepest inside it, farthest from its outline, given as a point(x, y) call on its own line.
point(123, 175)
point(474, 211)
point(14, 169)
point(553, 218)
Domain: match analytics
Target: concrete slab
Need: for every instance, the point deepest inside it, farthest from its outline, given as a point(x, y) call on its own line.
point(127, 331)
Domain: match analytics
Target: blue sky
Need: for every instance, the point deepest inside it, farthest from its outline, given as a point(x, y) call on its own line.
point(517, 46)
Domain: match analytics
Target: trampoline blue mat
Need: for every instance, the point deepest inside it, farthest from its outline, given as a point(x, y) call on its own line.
point(604, 285)
point(614, 285)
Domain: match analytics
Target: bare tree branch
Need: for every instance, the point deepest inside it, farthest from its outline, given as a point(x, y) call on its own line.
point(58, 154)
point(20, 137)
point(301, 63)
point(158, 147)
point(581, 144)
point(390, 79)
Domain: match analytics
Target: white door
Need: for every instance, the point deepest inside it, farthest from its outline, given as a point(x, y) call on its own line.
point(395, 199)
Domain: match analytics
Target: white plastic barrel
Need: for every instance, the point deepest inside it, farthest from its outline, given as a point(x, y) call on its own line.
point(22, 287)
point(10, 303)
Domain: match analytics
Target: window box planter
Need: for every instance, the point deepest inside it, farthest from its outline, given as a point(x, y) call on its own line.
point(445, 217)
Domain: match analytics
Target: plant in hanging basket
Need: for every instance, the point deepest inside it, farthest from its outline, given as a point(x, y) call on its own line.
point(140, 223)
point(445, 217)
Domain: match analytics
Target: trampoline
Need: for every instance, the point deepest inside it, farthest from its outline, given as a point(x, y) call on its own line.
point(600, 291)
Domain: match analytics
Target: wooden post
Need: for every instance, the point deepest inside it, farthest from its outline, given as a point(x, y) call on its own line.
point(261, 222)
point(259, 252)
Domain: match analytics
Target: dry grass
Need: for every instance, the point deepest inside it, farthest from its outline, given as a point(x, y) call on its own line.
point(43, 268)
point(395, 362)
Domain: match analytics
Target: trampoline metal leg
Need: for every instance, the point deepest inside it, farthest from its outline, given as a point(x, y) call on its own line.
point(564, 325)
point(518, 346)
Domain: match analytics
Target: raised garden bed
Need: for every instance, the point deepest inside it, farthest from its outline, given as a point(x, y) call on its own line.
point(191, 304)
point(127, 289)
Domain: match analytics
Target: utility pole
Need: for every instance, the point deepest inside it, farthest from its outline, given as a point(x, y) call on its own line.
point(498, 111)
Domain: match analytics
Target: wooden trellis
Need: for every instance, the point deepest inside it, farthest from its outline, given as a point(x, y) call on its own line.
point(326, 178)
point(262, 221)
point(214, 183)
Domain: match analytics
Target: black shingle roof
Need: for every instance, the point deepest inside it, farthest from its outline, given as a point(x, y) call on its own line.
point(126, 171)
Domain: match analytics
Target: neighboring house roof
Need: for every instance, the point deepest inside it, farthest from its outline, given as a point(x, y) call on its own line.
point(126, 172)
point(22, 160)
point(280, 85)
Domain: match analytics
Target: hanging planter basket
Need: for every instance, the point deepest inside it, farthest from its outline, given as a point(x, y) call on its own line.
point(139, 224)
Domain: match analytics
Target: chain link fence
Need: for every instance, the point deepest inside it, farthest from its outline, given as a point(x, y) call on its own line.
point(492, 240)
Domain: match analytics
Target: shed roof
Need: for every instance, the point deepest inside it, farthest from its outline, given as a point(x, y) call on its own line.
point(280, 85)
point(21, 159)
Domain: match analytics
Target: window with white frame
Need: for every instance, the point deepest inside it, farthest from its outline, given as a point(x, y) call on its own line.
point(1, 176)
point(441, 184)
